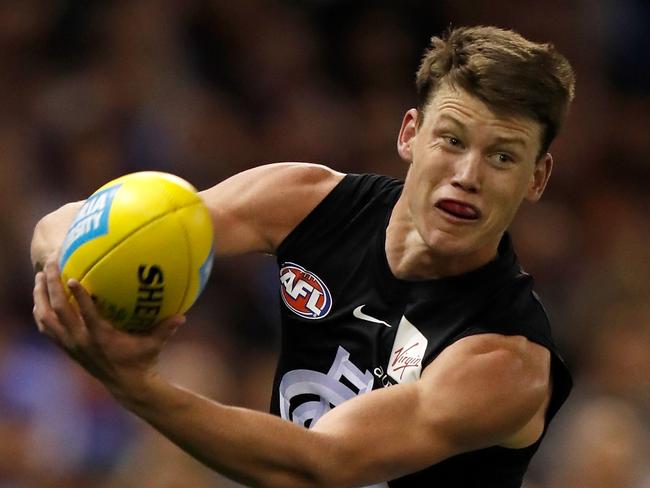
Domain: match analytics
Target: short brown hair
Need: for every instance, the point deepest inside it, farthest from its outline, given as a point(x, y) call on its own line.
point(509, 73)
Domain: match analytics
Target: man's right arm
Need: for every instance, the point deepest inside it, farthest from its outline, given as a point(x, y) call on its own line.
point(252, 211)
point(255, 210)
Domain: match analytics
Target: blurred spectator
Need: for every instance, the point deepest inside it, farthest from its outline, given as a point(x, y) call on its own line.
point(204, 89)
point(604, 442)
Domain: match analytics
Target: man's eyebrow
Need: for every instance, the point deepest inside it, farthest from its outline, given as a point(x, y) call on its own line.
point(499, 140)
point(509, 140)
point(453, 120)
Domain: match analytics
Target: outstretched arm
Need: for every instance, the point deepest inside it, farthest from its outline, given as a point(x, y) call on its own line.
point(251, 211)
point(255, 210)
point(482, 391)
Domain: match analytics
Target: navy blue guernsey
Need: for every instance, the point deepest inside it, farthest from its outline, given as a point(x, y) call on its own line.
point(350, 326)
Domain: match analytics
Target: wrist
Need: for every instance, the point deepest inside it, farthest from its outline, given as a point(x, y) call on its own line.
point(137, 392)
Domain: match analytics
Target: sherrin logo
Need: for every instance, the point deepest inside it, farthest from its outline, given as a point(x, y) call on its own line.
point(303, 292)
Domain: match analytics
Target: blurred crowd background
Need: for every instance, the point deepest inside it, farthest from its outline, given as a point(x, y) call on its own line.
point(90, 90)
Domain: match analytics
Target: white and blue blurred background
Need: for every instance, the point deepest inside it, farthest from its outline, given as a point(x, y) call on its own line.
point(90, 90)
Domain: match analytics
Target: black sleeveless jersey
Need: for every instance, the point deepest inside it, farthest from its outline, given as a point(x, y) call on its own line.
point(349, 326)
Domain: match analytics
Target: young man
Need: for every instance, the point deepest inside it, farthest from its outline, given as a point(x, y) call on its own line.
point(413, 346)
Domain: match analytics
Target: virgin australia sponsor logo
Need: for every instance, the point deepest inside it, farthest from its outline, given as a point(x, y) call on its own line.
point(405, 362)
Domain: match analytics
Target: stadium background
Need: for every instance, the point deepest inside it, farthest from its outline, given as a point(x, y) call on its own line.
point(90, 90)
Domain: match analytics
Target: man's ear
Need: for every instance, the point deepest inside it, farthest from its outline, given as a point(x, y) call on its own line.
point(540, 177)
point(406, 134)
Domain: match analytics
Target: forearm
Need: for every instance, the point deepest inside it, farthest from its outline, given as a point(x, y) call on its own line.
point(345, 449)
point(250, 447)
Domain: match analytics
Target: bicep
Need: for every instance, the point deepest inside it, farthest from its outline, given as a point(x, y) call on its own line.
point(256, 209)
point(475, 394)
point(484, 389)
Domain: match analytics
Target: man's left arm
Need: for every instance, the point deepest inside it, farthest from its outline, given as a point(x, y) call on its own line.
point(484, 390)
point(481, 391)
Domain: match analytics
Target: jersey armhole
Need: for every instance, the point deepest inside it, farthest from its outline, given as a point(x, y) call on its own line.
point(328, 205)
point(335, 209)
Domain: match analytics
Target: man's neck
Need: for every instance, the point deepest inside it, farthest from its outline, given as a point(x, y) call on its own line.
point(409, 257)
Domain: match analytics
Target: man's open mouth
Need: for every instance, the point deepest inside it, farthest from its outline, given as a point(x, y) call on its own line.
point(458, 209)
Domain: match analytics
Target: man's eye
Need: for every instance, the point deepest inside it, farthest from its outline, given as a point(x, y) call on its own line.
point(503, 158)
point(453, 141)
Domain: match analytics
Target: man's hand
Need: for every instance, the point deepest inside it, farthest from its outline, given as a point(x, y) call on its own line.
point(482, 391)
point(122, 361)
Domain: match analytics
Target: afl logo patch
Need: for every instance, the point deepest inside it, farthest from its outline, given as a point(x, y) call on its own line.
point(304, 293)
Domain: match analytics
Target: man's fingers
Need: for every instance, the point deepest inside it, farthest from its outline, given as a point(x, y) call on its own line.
point(167, 327)
point(75, 330)
point(86, 305)
point(58, 298)
point(46, 319)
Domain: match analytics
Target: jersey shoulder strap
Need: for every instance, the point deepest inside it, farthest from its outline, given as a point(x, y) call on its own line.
point(517, 310)
point(350, 199)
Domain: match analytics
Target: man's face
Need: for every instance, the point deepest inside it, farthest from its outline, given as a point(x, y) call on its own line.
point(470, 170)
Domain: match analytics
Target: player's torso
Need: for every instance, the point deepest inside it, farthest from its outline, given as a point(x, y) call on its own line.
point(349, 327)
point(339, 327)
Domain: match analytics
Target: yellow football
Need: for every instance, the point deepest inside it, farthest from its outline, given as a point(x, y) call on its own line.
point(142, 247)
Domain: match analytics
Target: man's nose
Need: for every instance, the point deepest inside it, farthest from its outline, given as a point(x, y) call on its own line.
point(467, 172)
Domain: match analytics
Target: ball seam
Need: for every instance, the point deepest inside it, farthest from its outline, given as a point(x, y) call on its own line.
point(131, 233)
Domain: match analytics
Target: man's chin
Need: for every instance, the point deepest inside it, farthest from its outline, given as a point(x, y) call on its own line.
point(459, 245)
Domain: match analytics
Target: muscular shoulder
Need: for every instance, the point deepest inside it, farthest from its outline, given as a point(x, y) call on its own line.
point(510, 350)
point(256, 209)
point(497, 389)
point(507, 362)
